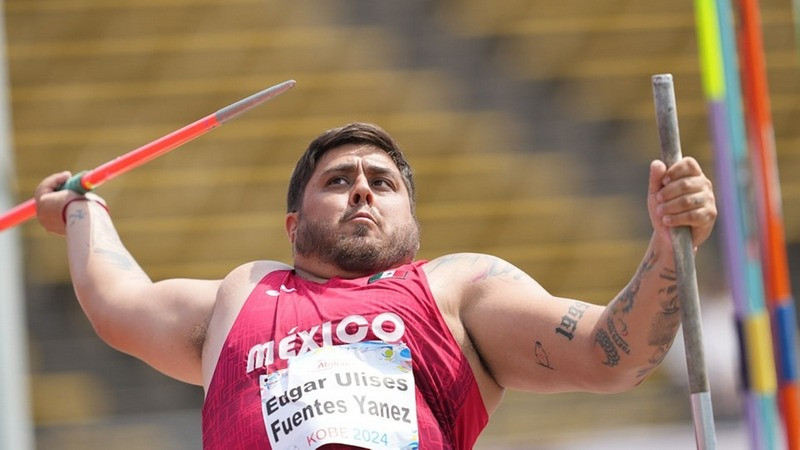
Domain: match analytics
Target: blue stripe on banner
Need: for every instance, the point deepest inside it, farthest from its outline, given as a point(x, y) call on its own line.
point(786, 335)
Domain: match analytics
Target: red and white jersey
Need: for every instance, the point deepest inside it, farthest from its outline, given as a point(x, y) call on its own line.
point(286, 317)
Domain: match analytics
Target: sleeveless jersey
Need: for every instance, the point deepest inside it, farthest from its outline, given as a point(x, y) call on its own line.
point(285, 310)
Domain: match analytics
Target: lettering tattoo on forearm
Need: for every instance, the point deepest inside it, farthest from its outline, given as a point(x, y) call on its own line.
point(542, 358)
point(616, 337)
point(604, 341)
point(612, 338)
point(569, 321)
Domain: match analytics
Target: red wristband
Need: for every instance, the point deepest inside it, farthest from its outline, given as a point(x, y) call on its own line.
point(80, 199)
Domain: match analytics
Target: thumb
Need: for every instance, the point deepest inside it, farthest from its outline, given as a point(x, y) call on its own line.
point(657, 171)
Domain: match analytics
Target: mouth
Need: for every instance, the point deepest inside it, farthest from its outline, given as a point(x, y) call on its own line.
point(360, 216)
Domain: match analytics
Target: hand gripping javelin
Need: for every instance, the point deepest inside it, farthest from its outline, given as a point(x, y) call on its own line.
point(90, 179)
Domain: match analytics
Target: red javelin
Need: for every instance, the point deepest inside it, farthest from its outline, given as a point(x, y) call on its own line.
point(88, 180)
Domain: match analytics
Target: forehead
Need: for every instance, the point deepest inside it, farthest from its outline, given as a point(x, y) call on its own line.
point(351, 156)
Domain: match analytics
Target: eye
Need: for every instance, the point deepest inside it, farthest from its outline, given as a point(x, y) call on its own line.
point(337, 181)
point(382, 183)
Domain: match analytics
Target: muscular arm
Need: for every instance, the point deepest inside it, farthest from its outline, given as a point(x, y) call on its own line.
point(162, 323)
point(526, 338)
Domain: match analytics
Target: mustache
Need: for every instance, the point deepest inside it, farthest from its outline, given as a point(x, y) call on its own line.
point(360, 212)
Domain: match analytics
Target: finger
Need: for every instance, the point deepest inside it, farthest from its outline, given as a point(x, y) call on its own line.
point(685, 203)
point(686, 167)
point(692, 218)
point(685, 186)
point(52, 183)
point(657, 171)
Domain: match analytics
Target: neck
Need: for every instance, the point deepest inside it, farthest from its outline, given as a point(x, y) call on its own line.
point(320, 273)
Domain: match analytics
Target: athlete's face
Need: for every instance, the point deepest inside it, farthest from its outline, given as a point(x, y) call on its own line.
point(356, 213)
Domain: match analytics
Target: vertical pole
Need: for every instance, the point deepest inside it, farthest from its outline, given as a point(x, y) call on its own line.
point(755, 326)
point(16, 431)
point(768, 200)
point(721, 87)
point(702, 412)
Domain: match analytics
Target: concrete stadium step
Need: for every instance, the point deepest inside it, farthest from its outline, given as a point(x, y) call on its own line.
point(172, 55)
point(517, 17)
point(112, 108)
point(474, 17)
point(81, 396)
point(48, 19)
point(251, 141)
point(617, 95)
point(169, 99)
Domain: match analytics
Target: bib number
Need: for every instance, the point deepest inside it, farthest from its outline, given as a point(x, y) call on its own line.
point(357, 394)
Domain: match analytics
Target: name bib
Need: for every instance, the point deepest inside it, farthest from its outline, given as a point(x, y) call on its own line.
point(357, 394)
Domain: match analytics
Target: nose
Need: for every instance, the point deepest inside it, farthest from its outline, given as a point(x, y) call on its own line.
point(360, 192)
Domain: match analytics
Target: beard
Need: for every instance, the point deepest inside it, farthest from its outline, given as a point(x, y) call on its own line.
point(355, 251)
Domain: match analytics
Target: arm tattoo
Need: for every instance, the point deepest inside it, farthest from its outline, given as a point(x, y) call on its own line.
point(629, 294)
point(497, 268)
point(119, 259)
point(616, 337)
point(612, 356)
point(107, 244)
point(442, 261)
point(569, 321)
point(75, 217)
point(612, 338)
point(665, 324)
point(542, 358)
point(485, 266)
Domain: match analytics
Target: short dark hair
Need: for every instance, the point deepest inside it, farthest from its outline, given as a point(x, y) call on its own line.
point(354, 133)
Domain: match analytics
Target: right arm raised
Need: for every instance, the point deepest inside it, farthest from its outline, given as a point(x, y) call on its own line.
point(161, 323)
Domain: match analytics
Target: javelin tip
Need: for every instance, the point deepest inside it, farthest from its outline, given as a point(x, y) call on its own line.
point(231, 111)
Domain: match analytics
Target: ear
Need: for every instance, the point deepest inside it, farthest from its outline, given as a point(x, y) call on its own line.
point(291, 226)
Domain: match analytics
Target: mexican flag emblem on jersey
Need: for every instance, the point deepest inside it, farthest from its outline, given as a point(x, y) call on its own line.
point(401, 274)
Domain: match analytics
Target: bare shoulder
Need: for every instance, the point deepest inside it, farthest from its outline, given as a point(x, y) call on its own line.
point(461, 281)
point(248, 275)
point(238, 285)
point(232, 293)
point(473, 271)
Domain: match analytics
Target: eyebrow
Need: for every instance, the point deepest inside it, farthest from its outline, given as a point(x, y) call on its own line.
point(370, 169)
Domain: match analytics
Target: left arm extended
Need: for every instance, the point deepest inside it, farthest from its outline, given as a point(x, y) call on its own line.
point(526, 338)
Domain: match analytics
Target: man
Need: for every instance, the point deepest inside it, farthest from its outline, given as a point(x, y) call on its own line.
point(356, 344)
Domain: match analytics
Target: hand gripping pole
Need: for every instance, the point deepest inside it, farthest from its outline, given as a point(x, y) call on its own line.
point(702, 413)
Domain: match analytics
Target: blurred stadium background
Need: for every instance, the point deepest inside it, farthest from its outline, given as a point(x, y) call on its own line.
point(529, 124)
